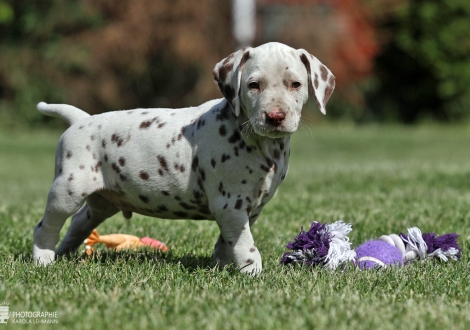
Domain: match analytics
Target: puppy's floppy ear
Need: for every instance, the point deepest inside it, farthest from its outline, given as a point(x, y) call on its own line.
point(227, 74)
point(320, 79)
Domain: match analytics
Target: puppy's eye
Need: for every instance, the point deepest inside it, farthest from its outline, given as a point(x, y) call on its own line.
point(253, 85)
point(296, 84)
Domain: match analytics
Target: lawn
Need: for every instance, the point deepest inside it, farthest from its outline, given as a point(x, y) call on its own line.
point(382, 179)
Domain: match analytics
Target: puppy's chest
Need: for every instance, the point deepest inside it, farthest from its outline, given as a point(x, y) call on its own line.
point(250, 173)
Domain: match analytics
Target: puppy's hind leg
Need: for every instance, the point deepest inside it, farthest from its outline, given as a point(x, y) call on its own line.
point(95, 211)
point(60, 205)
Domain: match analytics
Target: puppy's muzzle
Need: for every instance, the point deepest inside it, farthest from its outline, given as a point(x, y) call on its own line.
point(275, 117)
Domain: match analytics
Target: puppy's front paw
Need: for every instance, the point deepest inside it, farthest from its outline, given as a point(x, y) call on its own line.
point(247, 259)
point(253, 265)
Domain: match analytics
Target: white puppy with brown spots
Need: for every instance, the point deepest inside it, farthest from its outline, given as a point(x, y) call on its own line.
point(222, 160)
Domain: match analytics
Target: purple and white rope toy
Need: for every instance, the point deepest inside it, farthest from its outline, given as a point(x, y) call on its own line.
point(328, 245)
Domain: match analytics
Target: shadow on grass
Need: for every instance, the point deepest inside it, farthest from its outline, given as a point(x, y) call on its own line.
point(187, 261)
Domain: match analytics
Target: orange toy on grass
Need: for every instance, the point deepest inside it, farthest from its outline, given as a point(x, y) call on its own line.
point(122, 242)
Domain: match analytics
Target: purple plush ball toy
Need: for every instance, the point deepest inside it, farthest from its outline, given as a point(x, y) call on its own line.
point(377, 253)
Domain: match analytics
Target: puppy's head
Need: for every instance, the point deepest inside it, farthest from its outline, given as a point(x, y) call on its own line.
point(269, 85)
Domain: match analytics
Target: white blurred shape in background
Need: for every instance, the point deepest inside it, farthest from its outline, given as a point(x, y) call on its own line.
point(244, 21)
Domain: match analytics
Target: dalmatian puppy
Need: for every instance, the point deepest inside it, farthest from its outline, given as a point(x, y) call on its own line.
point(222, 160)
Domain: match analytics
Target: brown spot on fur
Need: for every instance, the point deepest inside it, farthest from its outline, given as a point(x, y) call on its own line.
point(180, 168)
point(68, 155)
point(238, 204)
point(235, 137)
point(195, 163)
point(200, 123)
point(187, 206)
point(229, 92)
point(202, 174)
point(143, 175)
point(224, 69)
point(122, 161)
point(329, 89)
point(115, 138)
point(97, 166)
point(163, 163)
point(250, 261)
point(224, 113)
point(115, 168)
point(306, 63)
point(244, 59)
point(264, 168)
point(145, 124)
point(70, 177)
point(324, 72)
point(162, 208)
point(144, 199)
point(224, 158)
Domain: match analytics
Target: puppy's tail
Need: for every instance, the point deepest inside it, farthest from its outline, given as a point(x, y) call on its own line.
point(67, 112)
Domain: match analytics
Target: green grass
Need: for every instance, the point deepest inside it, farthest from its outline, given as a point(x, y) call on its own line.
point(381, 179)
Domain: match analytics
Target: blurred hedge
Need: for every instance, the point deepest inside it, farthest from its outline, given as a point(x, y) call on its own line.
point(103, 55)
point(424, 70)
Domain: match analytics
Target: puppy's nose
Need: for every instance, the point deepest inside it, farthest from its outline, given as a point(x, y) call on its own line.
point(275, 117)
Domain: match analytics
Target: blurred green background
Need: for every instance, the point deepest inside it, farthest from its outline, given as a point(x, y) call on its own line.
point(402, 61)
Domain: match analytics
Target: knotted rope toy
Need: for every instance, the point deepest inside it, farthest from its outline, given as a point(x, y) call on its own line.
point(121, 242)
point(328, 245)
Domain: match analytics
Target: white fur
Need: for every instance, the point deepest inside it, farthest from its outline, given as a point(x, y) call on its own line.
point(222, 160)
